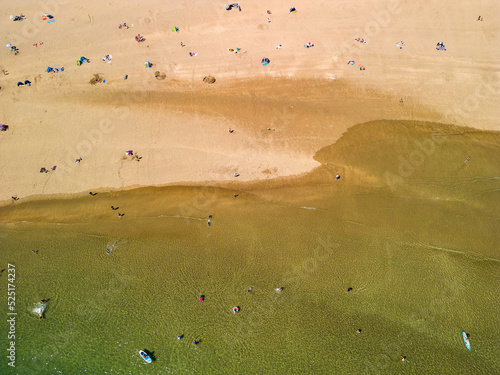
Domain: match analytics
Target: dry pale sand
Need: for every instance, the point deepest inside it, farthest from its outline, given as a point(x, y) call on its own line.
point(179, 125)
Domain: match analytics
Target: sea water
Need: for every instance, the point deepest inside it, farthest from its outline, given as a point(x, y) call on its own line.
point(407, 256)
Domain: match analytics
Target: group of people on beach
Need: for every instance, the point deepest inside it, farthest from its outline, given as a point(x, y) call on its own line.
point(45, 170)
point(15, 50)
point(440, 46)
point(21, 17)
point(25, 83)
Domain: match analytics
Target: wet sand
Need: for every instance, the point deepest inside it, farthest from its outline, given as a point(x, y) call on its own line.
point(435, 163)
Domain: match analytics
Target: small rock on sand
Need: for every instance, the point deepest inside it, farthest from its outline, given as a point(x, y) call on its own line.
point(209, 79)
point(160, 76)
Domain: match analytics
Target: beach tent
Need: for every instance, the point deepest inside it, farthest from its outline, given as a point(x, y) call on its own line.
point(293, 10)
point(265, 61)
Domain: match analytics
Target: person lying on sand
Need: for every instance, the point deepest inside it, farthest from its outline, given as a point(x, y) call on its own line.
point(19, 18)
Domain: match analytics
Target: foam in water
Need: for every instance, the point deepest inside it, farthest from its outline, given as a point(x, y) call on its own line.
point(39, 309)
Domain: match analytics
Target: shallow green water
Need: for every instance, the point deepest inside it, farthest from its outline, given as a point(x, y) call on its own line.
point(421, 259)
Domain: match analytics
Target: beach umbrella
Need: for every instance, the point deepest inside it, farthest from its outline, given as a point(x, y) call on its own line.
point(11, 17)
point(8, 45)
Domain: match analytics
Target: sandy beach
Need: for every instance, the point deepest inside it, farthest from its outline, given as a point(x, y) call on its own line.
point(179, 125)
point(250, 191)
